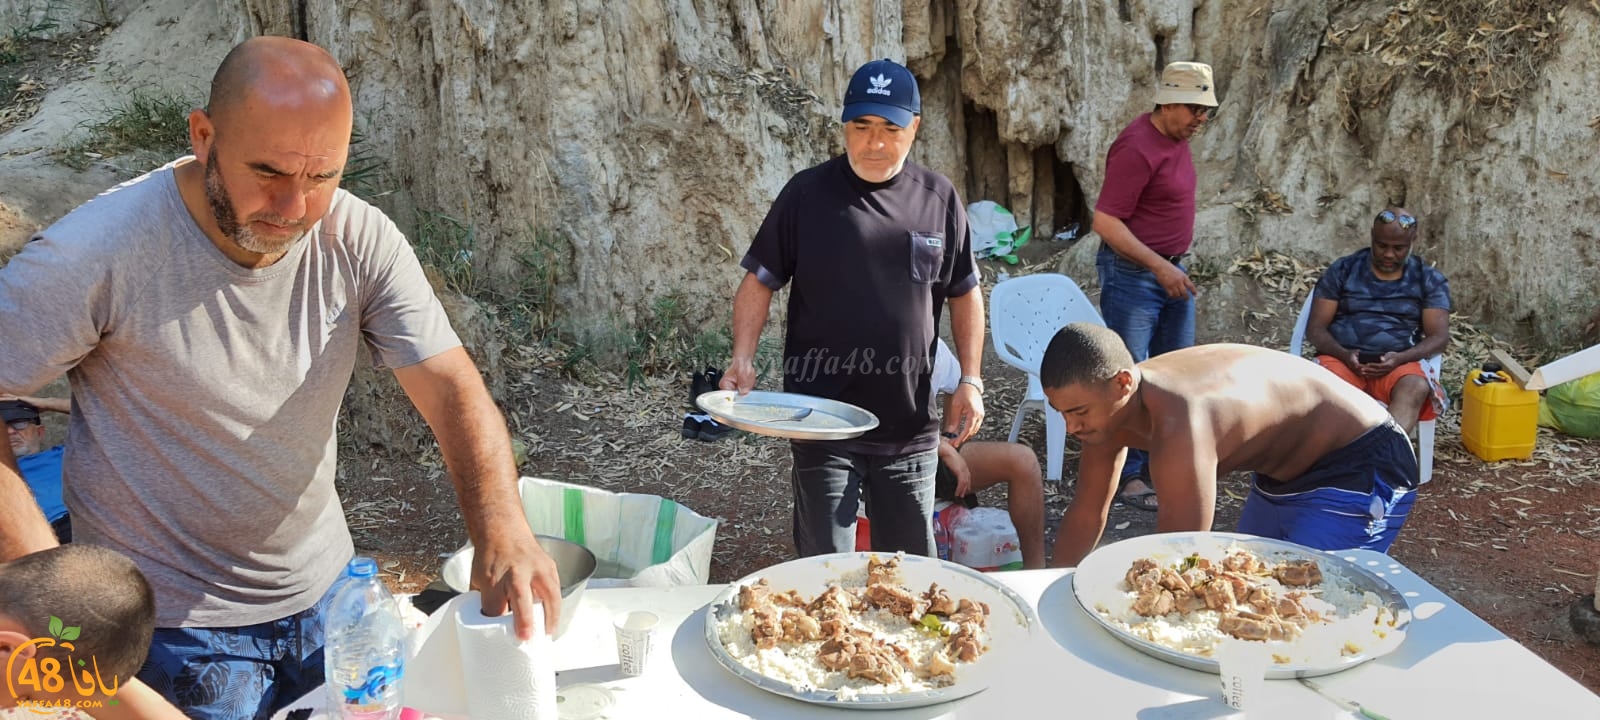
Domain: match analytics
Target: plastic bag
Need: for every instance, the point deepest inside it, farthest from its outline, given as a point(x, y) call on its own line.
point(1573, 407)
point(983, 538)
point(994, 231)
point(638, 540)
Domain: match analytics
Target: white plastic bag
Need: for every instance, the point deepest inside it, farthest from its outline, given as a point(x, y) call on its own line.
point(988, 223)
point(984, 538)
point(638, 540)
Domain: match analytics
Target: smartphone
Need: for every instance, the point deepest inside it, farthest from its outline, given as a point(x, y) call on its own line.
point(1368, 358)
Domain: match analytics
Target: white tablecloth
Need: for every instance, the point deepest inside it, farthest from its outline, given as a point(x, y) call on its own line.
point(1451, 665)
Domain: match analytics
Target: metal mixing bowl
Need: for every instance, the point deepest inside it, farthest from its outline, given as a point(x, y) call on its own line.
point(574, 564)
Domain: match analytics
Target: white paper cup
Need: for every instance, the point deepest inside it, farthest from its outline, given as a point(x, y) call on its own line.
point(1243, 665)
point(634, 631)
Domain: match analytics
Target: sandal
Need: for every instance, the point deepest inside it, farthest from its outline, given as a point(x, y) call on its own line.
point(1142, 500)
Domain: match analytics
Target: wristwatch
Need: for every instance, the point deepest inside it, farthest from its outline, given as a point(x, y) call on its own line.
point(974, 381)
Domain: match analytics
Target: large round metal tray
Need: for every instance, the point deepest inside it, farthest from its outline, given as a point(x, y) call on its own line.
point(769, 413)
point(1099, 579)
point(1011, 623)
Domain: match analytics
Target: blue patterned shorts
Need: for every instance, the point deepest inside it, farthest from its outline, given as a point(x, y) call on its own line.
point(242, 672)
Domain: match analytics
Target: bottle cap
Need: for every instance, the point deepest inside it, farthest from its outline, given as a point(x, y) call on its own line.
point(362, 567)
point(1490, 366)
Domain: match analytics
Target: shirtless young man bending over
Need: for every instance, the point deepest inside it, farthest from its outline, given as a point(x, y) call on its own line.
point(1331, 468)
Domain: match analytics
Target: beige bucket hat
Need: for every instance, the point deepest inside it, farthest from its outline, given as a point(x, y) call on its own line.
point(1186, 82)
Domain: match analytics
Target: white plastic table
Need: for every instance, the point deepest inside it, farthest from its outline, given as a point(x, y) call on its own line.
point(1452, 664)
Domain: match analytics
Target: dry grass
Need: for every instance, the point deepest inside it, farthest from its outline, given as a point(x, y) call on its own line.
point(1487, 52)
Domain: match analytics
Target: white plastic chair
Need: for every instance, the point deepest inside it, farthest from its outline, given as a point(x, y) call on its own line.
point(1024, 314)
point(1430, 366)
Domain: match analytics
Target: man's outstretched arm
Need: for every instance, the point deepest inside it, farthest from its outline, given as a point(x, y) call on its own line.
point(509, 567)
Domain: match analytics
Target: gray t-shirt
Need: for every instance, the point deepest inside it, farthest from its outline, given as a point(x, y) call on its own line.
point(205, 394)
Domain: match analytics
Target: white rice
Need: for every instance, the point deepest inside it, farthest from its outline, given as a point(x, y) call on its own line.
point(1359, 621)
point(796, 662)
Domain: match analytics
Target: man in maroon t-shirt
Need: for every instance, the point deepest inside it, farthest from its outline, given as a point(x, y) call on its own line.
point(1145, 219)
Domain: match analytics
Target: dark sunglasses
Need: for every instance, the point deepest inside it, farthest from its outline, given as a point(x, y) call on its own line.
point(1201, 110)
point(1388, 216)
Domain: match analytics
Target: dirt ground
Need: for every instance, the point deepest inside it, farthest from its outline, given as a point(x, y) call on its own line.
point(1516, 542)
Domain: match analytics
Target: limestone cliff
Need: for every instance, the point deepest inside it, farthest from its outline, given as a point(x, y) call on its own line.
point(649, 136)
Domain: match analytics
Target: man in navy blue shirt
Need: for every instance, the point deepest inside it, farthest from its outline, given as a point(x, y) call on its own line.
point(871, 247)
point(40, 467)
point(1379, 311)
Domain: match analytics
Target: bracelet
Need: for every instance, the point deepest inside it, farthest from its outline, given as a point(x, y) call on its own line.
point(974, 381)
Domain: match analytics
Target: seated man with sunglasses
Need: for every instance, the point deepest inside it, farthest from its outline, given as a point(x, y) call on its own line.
point(1379, 311)
point(40, 465)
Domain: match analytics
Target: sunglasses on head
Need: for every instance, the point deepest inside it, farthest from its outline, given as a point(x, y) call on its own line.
point(1388, 216)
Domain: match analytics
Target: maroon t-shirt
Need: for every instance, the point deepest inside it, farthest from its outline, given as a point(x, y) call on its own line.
point(1150, 187)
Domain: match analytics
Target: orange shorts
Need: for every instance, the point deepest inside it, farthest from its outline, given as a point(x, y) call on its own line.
point(1380, 388)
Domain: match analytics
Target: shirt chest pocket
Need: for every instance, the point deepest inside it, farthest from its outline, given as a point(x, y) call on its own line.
point(927, 255)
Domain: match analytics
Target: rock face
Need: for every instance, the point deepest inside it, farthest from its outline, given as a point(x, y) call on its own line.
point(641, 142)
point(651, 136)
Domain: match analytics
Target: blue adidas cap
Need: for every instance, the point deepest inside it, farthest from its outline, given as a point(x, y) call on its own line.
point(884, 88)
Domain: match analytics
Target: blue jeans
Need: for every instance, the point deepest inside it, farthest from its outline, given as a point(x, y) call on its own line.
point(1136, 306)
point(829, 483)
point(234, 673)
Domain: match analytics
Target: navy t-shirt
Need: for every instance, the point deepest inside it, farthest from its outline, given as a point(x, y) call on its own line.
point(1380, 315)
point(869, 267)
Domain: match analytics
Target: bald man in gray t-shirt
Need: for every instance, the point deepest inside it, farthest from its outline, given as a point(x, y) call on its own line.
point(209, 315)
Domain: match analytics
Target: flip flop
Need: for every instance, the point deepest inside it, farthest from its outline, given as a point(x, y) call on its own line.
point(1144, 500)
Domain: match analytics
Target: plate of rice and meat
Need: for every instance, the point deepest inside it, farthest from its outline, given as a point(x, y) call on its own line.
point(1179, 596)
point(868, 630)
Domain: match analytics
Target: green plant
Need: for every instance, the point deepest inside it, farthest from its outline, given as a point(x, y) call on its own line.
point(365, 171)
point(154, 120)
point(14, 45)
point(445, 244)
point(1203, 269)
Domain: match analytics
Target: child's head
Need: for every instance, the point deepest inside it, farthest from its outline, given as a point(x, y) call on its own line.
point(95, 590)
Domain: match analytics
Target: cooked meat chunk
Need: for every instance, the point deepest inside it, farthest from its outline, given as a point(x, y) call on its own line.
point(1140, 567)
point(1150, 580)
point(1155, 603)
point(834, 599)
point(876, 663)
point(971, 613)
point(1262, 599)
point(1174, 582)
point(883, 572)
point(800, 627)
point(1298, 573)
point(939, 601)
point(1243, 562)
point(754, 594)
point(768, 627)
point(895, 599)
point(1245, 628)
point(964, 644)
point(1219, 596)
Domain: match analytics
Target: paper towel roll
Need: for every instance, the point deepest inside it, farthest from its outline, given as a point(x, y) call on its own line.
point(505, 678)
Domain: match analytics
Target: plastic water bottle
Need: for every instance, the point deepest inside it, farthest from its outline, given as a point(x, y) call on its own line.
point(941, 537)
point(365, 649)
